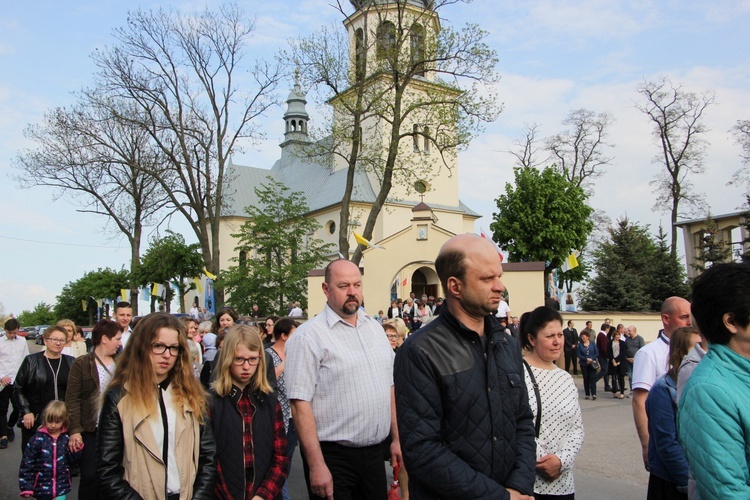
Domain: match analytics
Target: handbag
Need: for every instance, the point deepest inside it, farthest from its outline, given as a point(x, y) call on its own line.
point(393, 491)
point(595, 364)
point(538, 421)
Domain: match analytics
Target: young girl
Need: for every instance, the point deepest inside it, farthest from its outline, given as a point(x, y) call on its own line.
point(45, 468)
point(247, 421)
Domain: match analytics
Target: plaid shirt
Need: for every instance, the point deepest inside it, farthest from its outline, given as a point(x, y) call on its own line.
point(273, 482)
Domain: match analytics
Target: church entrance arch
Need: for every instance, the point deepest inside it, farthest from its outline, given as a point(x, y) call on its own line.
point(418, 277)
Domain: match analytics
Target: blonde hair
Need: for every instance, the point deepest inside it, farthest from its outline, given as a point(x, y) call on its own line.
point(134, 368)
point(55, 411)
point(65, 323)
point(247, 336)
point(400, 326)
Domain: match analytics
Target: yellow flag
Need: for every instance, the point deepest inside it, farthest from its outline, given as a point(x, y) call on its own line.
point(198, 285)
point(84, 304)
point(362, 241)
point(210, 275)
point(124, 292)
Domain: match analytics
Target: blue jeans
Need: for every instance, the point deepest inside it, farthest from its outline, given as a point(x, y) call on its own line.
point(630, 374)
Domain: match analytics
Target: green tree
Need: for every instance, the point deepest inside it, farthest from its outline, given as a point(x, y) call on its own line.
point(94, 285)
point(712, 249)
point(42, 314)
point(277, 252)
point(169, 260)
point(542, 218)
point(667, 275)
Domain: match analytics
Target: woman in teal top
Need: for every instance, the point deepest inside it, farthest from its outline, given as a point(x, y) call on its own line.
point(714, 409)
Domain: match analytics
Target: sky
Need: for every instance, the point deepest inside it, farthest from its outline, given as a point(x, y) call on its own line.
point(554, 56)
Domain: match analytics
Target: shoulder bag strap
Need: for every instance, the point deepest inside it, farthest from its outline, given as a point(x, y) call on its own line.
point(538, 421)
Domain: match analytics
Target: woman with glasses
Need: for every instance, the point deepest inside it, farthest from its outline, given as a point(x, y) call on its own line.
point(88, 379)
point(153, 439)
point(247, 421)
point(266, 331)
point(42, 377)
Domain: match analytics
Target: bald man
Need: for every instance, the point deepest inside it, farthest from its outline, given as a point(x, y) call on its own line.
point(463, 413)
point(651, 361)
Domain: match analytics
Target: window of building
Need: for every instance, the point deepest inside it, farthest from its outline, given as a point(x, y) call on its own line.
point(386, 40)
point(360, 58)
point(417, 48)
point(427, 140)
point(415, 138)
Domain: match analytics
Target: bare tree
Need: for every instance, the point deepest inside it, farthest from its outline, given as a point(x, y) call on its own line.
point(742, 136)
point(528, 149)
point(579, 150)
point(678, 128)
point(98, 161)
point(197, 97)
point(405, 82)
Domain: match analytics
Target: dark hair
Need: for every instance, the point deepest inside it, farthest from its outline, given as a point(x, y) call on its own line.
point(532, 322)
point(104, 328)
point(584, 333)
point(604, 327)
point(450, 263)
point(121, 305)
point(719, 290)
point(224, 310)
point(283, 327)
point(12, 324)
point(569, 322)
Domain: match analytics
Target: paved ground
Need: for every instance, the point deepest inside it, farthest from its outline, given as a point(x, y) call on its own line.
point(608, 467)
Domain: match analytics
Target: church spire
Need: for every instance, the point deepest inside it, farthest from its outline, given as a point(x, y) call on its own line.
point(296, 116)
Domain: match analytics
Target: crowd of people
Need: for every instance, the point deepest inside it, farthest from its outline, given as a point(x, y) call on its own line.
point(463, 399)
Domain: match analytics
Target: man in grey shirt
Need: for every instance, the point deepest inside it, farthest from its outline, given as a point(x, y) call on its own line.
point(633, 341)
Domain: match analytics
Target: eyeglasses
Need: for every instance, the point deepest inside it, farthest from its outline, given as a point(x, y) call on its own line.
point(392, 336)
point(174, 350)
point(240, 361)
point(57, 341)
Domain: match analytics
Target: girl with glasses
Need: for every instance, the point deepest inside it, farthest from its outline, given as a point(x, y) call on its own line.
point(42, 378)
point(153, 439)
point(247, 421)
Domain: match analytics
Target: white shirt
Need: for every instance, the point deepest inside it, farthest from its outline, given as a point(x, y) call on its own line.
point(561, 426)
point(650, 362)
point(126, 337)
point(296, 312)
point(157, 427)
point(346, 373)
point(12, 353)
point(502, 309)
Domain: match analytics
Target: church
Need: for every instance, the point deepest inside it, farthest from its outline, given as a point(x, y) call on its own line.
point(422, 209)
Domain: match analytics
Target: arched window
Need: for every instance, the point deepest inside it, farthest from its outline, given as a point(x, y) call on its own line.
point(427, 140)
point(243, 258)
point(415, 138)
point(386, 40)
point(417, 48)
point(360, 60)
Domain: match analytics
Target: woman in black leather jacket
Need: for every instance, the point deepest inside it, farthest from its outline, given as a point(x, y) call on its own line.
point(42, 377)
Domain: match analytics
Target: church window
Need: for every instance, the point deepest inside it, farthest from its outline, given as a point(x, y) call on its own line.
point(417, 48)
point(332, 227)
point(386, 40)
point(427, 140)
point(243, 258)
point(421, 187)
point(415, 138)
point(359, 54)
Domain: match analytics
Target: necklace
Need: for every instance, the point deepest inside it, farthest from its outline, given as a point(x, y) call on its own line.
point(54, 374)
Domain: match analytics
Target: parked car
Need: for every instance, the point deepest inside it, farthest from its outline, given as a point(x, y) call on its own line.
point(40, 335)
point(24, 332)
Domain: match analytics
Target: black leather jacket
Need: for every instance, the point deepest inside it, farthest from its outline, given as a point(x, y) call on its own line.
point(464, 420)
point(28, 388)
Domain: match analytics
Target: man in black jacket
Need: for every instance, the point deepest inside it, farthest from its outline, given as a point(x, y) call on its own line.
point(571, 342)
point(463, 414)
